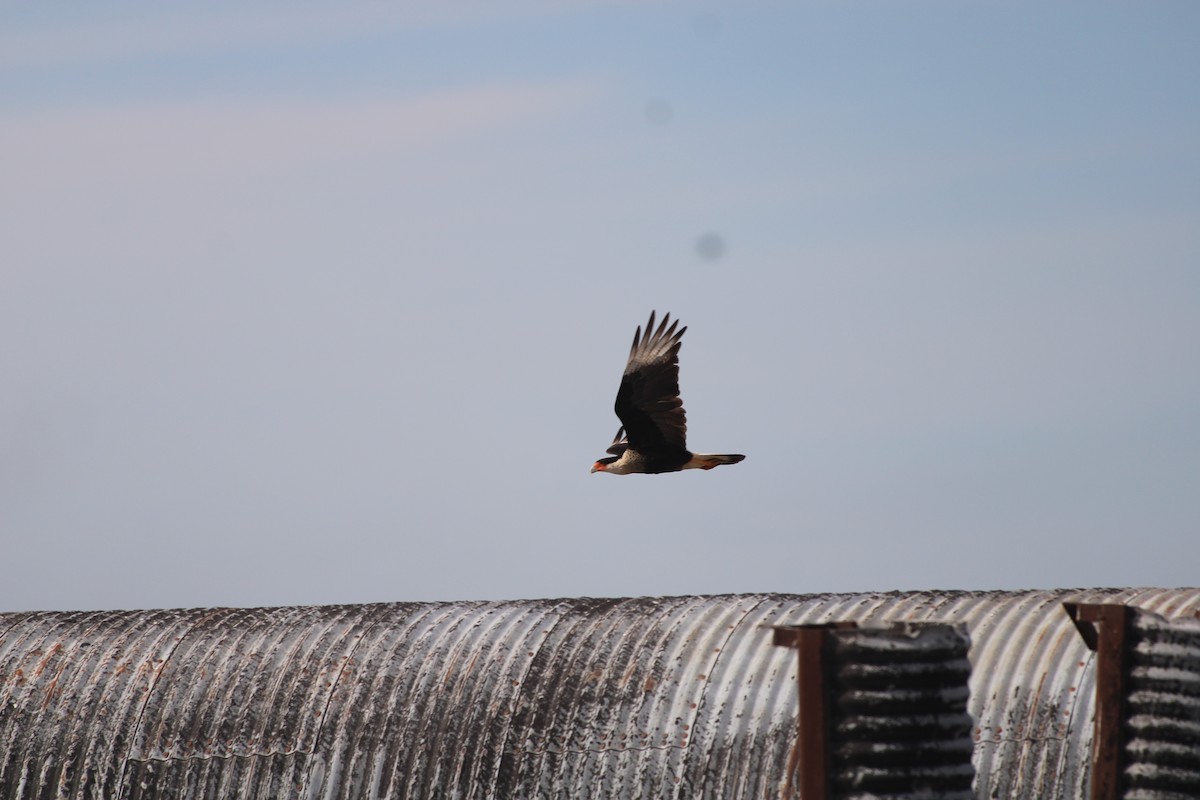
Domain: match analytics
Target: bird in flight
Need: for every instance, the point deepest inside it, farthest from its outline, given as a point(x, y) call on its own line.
point(653, 432)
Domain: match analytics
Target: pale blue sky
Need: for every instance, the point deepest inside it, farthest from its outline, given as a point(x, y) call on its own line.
point(315, 302)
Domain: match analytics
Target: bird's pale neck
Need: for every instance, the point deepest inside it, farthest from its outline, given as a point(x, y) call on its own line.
point(620, 466)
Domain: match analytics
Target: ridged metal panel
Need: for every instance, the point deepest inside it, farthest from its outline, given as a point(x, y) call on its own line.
point(1162, 709)
point(72, 690)
point(898, 712)
point(241, 702)
point(643, 697)
point(746, 722)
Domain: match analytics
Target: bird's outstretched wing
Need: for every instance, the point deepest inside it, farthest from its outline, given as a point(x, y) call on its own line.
point(648, 401)
point(619, 445)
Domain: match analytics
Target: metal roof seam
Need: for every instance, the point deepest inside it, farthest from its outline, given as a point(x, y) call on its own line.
point(665, 642)
point(1012, 739)
point(725, 749)
point(363, 635)
point(219, 756)
point(93, 730)
point(629, 749)
point(350, 753)
point(720, 665)
point(1063, 755)
point(496, 687)
point(574, 620)
point(126, 757)
point(451, 624)
point(518, 662)
point(14, 620)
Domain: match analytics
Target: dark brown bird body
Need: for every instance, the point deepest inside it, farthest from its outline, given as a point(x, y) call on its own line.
point(653, 433)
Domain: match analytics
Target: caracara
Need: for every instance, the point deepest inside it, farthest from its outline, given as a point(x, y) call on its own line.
point(653, 432)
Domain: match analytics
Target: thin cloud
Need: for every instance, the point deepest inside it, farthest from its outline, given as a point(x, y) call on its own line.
point(207, 30)
point(216, 137)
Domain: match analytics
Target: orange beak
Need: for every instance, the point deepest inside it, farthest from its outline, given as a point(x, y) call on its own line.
point(598, 467)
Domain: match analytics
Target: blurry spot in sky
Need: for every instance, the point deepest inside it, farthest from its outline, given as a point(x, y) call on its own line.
point(710, 246)
point(659, 111)
point(707, 27)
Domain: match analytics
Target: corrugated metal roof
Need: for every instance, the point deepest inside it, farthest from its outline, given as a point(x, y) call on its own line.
point(900, 727)
point(645, 697)
point(1162, 710)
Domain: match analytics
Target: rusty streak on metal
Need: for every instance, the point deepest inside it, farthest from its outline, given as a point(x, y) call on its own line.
point(1104, 628)
point(810, 754)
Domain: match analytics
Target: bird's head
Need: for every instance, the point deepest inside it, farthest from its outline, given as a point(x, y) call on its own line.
point(602, 464)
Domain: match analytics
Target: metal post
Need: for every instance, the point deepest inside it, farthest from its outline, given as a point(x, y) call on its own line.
point(810, 755)
point(1104, 628)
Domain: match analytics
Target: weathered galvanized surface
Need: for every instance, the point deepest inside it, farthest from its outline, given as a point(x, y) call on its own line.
point(899, 712)
point(1162, 709)
point(646, 697)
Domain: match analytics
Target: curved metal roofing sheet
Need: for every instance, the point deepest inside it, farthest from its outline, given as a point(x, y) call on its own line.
point(680, 697)
point(1162, 709)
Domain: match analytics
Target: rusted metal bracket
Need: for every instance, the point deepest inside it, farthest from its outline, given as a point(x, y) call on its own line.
point(1104, 629)
point(810, 755)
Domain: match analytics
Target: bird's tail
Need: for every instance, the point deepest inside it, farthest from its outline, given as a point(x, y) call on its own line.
point(710, 460)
